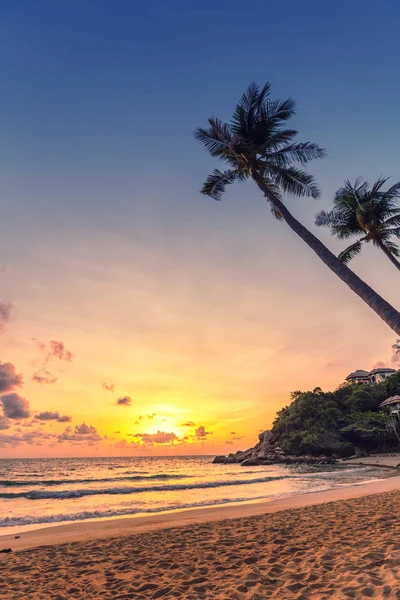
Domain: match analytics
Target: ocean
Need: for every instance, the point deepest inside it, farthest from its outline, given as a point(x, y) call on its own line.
point(38, 492)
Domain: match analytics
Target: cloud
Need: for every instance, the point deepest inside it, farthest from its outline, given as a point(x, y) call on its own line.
point(8, 377)
point(161, 437)
point(124, 401)
point(48, 415)
point(35, 437)
point(55, 350)
point(109, 387)
point(151, 417)
point(15, 407)
point(5, 314)
point(233, 432)
point(85, 429)
point(4, 423)
point(121, 444)
point(64, 419)
point(44, 376)
point(188, 424)
point(201, 433)
point(229, 442)
point(81, 433)
point(59, 351)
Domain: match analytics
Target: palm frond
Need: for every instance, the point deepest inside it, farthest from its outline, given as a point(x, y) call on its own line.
point(393, 221)
point(216, 183)
point(272, 142)
point(350, 252)
point(328, 219)
point(293, 181)
point(392, 247)
point(216, 138)
point(393, 193)
point(280, 110)
point(302, 152)
point(395, 232)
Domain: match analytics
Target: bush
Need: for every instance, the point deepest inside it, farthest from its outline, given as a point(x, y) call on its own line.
point(336, 422)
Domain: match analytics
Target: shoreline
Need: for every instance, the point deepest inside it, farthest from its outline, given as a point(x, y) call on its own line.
point(119, 527)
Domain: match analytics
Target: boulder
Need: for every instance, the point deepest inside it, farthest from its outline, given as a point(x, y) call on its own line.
point(250, 462)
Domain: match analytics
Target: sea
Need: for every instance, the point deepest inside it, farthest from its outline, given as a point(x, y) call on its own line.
point(39, 492)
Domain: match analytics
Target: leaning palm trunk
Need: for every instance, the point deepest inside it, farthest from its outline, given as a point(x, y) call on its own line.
point(256, 144)
point(390, 256)
point(382, 308)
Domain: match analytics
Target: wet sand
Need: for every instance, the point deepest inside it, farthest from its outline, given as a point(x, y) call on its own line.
point(347, 548)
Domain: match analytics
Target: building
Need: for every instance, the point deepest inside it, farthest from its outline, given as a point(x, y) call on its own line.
point(359, 376)
point(393, 403)
point(375, 376)
point(380, 374)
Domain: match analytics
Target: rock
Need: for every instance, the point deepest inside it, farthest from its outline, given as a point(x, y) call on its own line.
point(250, 462)
point(220, 459)
point(16, 537)
point(6, 550)
point(265, 436)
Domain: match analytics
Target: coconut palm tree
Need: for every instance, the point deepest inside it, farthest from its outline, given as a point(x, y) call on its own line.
point(255, 144)
point(371, 213)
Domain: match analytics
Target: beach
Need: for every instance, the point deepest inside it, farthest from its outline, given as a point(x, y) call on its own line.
point(342, 543)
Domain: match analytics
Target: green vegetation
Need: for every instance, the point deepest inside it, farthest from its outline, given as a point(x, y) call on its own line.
point(339, 422)
point(370, 214)
point(256, 144)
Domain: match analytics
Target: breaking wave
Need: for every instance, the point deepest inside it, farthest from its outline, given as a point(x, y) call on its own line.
point(80, 493)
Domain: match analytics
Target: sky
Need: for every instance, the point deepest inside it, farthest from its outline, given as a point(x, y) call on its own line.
point(139, 317)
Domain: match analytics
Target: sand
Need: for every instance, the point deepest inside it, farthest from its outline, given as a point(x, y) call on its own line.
point(343, 549)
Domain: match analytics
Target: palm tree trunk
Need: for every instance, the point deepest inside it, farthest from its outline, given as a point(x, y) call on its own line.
point(390, 256)
point(382, 308)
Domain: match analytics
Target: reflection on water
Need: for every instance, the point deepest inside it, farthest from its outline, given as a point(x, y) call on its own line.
point(35, 492)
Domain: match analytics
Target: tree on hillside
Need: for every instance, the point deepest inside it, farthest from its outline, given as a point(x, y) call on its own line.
point(256, 144)
point(368, 213)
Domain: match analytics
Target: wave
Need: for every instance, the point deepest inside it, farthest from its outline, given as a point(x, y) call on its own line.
point(98, 514)
point(49, 482)
point(65, 494)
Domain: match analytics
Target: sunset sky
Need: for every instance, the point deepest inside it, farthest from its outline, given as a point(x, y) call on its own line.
point(116, 273)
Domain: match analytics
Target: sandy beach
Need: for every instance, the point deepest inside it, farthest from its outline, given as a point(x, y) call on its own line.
point(339, 544)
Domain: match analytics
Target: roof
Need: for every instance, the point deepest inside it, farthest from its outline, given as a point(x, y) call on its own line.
point(358, 373)
point(382, 370)
point(391, 400)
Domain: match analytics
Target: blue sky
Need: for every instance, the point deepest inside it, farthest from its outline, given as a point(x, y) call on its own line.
point(112, 249)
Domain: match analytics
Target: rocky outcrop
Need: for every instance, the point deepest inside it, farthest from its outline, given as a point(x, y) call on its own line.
point(266, 452)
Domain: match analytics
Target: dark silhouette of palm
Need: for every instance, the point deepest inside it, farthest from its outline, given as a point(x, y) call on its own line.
point(256, 144)
point(369, 212)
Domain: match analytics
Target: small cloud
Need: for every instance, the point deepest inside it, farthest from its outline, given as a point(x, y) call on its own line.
point(116, 432)
point(59, 351)
point(233, 432)
point(55, 350)
point(109, 387)
point(4, 423)
point(5, 314)
point(201, 432)
point(124, 401)
point(151, 417)
point(64, 419)
point(121, 444)
point(161, 437)
point(44, 376)
point(48, 415)
point(81, 433)
point(9, 377)
point(85, 429)
point(15, 407)
point(380, 365)
point(188, 424)
point(229, 442)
